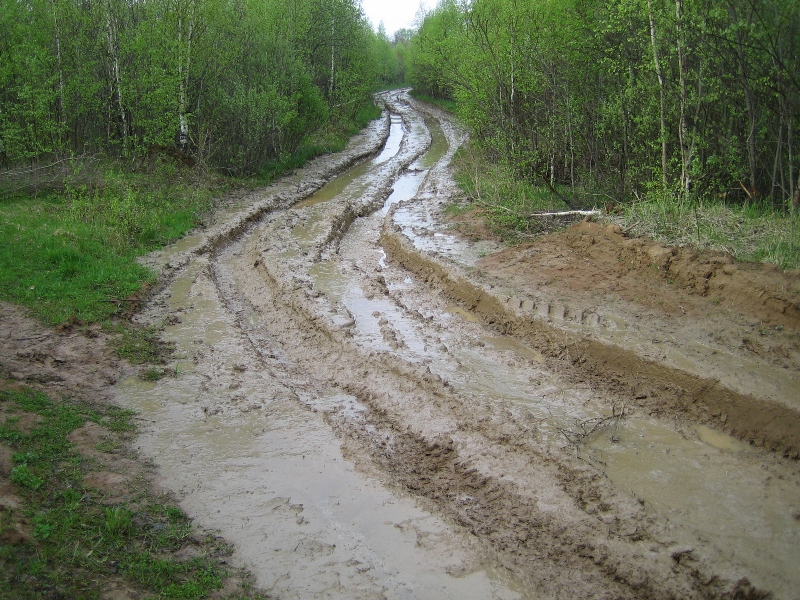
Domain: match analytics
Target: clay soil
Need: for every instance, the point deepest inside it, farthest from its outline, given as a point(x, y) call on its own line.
point(716, 312)
point(628, 326)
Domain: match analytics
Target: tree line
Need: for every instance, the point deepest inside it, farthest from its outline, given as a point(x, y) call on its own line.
point(235, 83)
point(681, 98)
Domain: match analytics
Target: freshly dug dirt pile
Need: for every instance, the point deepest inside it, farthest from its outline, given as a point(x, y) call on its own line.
point(601, 258)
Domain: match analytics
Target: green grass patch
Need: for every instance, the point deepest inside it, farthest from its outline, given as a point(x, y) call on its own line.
point(75, 544)
point(141, 345)
point(750, 232)
point(507, 201)
point(72, 254)
point(456, 209)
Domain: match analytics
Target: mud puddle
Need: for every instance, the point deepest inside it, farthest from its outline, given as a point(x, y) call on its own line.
point(428, 234)
point(338, 185)
point(251, 455)
point(392, 146)
point(715, 486)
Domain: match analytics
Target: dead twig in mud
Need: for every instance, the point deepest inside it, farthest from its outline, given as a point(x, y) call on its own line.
point(583, 429)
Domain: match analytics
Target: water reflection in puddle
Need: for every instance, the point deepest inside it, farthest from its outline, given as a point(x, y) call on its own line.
point(392, 146)
point(336, 186)
point(437, 149)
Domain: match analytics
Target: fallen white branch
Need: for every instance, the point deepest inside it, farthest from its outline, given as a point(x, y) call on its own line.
point(542, 213)
point(565, 213)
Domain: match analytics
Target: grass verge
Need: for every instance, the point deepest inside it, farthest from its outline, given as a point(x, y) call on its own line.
point(71, 255)
point(448, 105)
point(67, 533)
point(506, 202)
point(750, 232)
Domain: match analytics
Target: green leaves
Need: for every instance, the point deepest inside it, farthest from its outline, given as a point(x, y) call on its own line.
point(618, 97)
point(235, 83)
point(24, 477)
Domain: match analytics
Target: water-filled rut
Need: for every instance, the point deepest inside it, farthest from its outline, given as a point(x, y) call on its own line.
point(358, 428)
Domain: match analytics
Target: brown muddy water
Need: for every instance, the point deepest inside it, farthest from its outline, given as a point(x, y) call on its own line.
point(251, 456)
point(267, 436)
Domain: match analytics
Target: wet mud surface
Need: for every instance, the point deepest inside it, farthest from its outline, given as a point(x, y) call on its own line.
point(370, 405)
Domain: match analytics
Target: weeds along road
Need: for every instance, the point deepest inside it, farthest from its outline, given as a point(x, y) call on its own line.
point(368, 406)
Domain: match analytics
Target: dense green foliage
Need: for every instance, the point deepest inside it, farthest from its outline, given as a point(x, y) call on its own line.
point(234, 84)
point(685, 99)
point(78, 542)
point(391, 57)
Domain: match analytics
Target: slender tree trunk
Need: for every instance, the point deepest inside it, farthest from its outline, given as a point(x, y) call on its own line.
point(571, 138)
point(683, 127)
point(625, 131)
point(184, 63)
point(776, 165)
point(796, 196)
point(751, 117)
point(333, 55)
point(113, 52)
point(661, 85)
point(795, 193)
point(62, 110)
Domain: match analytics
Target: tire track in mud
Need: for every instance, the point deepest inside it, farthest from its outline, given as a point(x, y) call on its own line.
point(542, 512)
point(423, 459)
point(648, 384)
point(599, 544)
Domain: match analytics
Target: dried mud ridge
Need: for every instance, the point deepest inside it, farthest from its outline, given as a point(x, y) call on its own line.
point(655, 329)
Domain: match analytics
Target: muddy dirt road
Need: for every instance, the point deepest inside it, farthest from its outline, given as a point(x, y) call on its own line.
point(369, 405)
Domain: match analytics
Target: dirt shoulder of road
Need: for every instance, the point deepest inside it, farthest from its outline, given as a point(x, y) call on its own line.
point(682, 333)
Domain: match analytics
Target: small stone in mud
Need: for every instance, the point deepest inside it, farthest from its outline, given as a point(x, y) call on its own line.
point(678, 554)
point(240, 368)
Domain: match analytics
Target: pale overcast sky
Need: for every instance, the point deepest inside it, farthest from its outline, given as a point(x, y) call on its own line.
point(395, 14)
